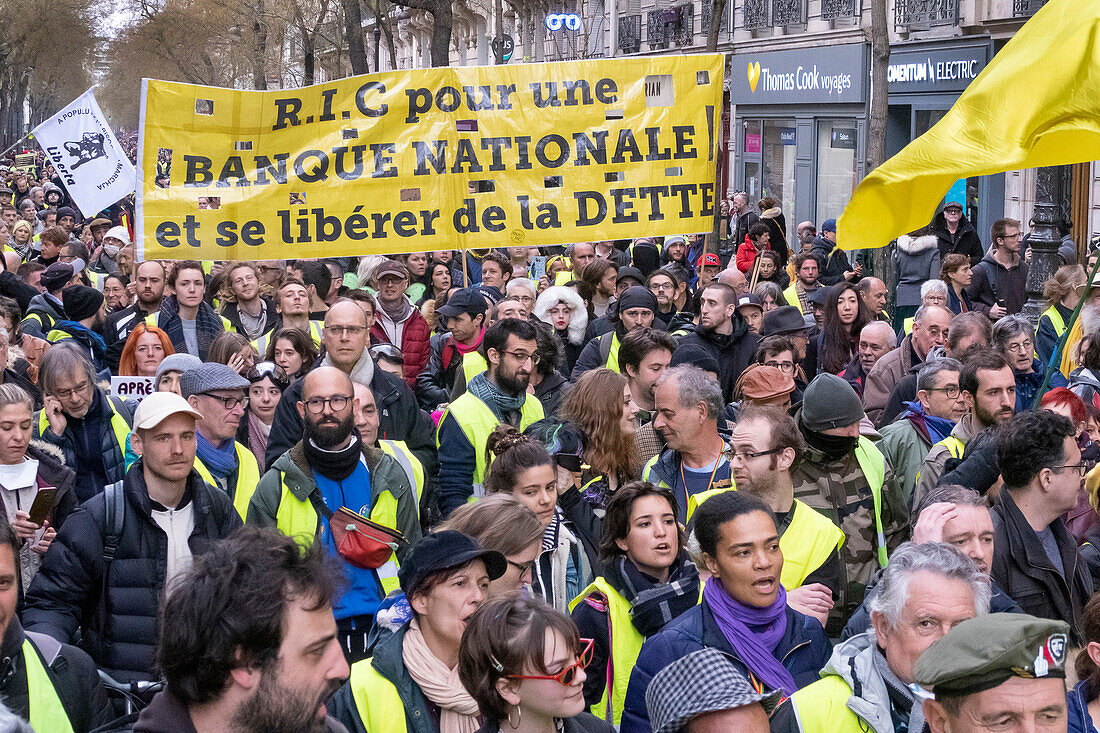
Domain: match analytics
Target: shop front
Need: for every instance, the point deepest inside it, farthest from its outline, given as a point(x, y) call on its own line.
point(799, 123)
point(925, 79)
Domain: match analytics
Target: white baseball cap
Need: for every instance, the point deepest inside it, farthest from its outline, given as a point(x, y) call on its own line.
point(159, 406)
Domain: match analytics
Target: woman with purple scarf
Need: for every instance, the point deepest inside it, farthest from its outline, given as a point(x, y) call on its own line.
point(744, 611)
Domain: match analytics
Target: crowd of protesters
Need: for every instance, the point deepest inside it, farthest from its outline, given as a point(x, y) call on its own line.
point(634, 485)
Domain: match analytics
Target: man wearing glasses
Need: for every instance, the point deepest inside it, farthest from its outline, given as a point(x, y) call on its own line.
point(329, 468)
point(1035, 558)
point(496, 396)
point(220, 395)
point(997, 287)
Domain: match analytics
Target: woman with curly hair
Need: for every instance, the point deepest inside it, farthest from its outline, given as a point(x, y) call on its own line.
point(609, 426)
point(145, 349)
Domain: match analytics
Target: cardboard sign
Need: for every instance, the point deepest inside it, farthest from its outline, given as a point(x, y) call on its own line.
point(127, 387)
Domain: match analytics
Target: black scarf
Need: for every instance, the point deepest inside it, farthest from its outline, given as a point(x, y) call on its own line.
point(834, 447)
point(335, 465)
point(653, 604)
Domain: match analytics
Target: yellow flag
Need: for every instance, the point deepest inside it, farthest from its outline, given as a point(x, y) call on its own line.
point(1036, 104)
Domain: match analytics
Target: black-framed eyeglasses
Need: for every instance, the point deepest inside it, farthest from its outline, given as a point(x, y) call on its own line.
point(1081, 468)
point(228, 402)
point(952, 390)
point(316, 405)
point(749, 456)
point(522, 567)
point(787, 367)
point(522, 356)
point(266, 369)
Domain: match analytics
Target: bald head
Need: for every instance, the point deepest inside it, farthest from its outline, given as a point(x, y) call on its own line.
point(344, 313)
point(326, 407)
point(325, 382)
point(346, 335)
point(735, 279)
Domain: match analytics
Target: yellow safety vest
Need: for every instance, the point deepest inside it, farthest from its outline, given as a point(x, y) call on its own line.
point(791, 296)
point(613, 355)
point(953, 445)
point(477, 421)
point(118, 426)
point(45, 708)
point(153, 319)
point(296, 518)
point(873, 465)
point(625, 643)
point(907, 324)
point(248, 475)
point(473, 363)
point(1056, 320)
point(315, 329)
point(380, 708)
point(563, 277)
point(807, 543)
point(409, 463)
point(823, 708)
point(1068, 362)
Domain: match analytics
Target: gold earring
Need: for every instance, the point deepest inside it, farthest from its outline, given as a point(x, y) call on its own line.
point(519, 717)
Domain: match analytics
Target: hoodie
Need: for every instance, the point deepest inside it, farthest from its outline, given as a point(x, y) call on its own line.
point(578, 323)
point(916, 259)
point(42, 304)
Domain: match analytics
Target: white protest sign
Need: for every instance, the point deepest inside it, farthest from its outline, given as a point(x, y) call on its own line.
point(127, 387)
point(92, 165)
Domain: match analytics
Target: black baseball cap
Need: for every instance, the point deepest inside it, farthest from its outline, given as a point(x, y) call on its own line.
point(445, 550)
point(466, 300)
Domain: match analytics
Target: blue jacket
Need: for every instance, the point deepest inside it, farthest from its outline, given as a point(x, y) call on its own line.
point(1027, 384)
point(804, 650)
point(1077, 700)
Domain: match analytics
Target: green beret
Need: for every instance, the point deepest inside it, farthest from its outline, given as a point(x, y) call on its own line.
point(982, 652)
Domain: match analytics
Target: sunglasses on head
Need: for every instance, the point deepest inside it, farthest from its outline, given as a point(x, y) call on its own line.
point(567, 676)
point(267, 369)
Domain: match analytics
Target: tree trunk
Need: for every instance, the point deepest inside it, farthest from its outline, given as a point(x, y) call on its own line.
point(353, 26)
point(308, 59)
point(441, 33)
point(717, 10)
point(879, 258)
point(259, 48)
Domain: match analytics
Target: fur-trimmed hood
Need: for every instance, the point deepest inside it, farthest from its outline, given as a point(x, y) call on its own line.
point(916, 245)
point(561, 294)
point(771, 213)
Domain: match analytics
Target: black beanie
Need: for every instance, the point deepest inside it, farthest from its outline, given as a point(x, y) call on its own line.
point(81, 302)
point(695, 355)
point(637, 296)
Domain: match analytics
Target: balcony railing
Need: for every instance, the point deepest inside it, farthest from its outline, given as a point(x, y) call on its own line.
point(756, 14)
point(1026, 8)
point(833, 9)
point(918, 14)
point(788, 12)
point(630, 33)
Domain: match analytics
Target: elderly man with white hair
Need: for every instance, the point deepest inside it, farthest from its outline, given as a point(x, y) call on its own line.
point(524, 290)
point(930, 327)
point(875, 340)
point(924, 592)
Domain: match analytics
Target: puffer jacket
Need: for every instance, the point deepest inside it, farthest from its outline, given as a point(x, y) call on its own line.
point(916, 259)
point(965, 241)
point(853, 662)
point(415, 337)
point(733, 352)
point(114, 607)
point(803, 650)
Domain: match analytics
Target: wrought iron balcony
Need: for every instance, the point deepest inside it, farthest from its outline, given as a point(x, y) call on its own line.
point(706, 10)
point(630, 33)
point(683, 27)
point(833, 9)
point(918, 14)
point(1026, 8)
point(756, 14)
point(788, 12)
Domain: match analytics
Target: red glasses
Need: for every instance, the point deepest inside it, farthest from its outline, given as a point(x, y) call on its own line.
point(567, 675)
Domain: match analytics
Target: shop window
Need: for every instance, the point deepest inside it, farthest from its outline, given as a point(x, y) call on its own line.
point(777, 149)
point(837, 143)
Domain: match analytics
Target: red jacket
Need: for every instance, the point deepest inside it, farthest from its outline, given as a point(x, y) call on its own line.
point(415, 344)
point(746, 255)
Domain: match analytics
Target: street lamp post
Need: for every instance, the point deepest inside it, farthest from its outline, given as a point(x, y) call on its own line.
point(1044, 239)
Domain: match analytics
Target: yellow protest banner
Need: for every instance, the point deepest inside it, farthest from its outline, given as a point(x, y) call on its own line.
point(414, 160)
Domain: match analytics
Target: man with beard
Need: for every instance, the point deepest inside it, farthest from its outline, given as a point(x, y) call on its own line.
point(635, 308)
point(86, 311)
point(332, 468)
point(742, 217)
point(989, 388)
point(724, 334)
point(496, 396)
point(999, 281)
point(807, 268)
point(251, 314)
point(150, 292)
point(274, 660)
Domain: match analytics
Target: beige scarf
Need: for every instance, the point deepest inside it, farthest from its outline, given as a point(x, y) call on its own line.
point(439, 683)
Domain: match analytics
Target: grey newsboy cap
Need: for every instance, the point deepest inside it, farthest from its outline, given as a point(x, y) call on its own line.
point(705, 681)
point(210, 378)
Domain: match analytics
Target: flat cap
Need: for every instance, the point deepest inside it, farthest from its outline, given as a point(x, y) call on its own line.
point(764, 384)
point(982, 652)
point(705, 681)
point(210, 377)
